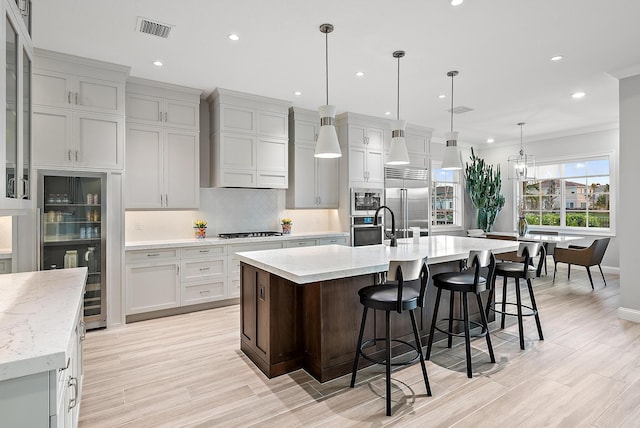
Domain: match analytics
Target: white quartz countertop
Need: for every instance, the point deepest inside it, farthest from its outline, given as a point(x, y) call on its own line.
point(38, 313)
point(312, 264)
point(170, 243)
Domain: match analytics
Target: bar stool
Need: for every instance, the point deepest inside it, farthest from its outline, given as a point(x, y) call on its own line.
point(522, 269)
point(394, 297)
point(467, 281)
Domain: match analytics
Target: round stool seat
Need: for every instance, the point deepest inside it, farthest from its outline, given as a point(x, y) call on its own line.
point(515, 269)
point(385, 297)
point(460, 281)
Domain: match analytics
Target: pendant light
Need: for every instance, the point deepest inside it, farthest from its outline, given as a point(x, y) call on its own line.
point(398, 152)
point(451, 160)
point(327, 145)
point(522, 167)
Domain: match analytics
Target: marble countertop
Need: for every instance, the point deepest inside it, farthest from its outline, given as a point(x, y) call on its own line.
point(192, 242)
point(311, 264)
point(38, 313)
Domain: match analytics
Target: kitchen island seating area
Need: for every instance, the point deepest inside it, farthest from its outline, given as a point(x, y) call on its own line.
point(470, 280)
point(396, 294)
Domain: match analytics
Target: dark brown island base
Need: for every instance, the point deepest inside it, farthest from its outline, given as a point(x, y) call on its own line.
point(300, 306)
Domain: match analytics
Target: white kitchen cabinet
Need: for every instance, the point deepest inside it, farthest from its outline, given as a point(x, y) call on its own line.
point(154, 110)
point(162, 168)
point(78, 119)
point(294, 243)
point(15, 121)
point(63, 90)
point(249, 141)
point(337, 240)
point(163, 146)
point(362, 141)
point(68, 139)
point(313, 182)
point(152, 280)
point(203, 274)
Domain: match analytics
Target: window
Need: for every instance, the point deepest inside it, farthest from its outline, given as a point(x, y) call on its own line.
point(573, 194)
point(446, 201)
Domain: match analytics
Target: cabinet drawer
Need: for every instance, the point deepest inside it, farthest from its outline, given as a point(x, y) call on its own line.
point(300, 243)
point(339, 240)
point(151, 255)
point(209, 251)
point(233, 286)
point(234, 263)
point(205, 269)
point(199, 292)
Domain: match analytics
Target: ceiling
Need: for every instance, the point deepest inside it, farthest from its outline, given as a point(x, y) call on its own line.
point(502, 49)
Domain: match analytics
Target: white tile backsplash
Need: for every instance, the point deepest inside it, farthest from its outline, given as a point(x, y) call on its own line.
point(228, 210)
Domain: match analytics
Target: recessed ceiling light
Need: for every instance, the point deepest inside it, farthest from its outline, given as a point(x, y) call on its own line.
point(578, 95)
point(387, 113)
point(441, 96)
point(359, 73)
point(157, 63)
point(298, 93)
point(556, 58)
point(234, 37)
point(456, 2)
point(490, 140)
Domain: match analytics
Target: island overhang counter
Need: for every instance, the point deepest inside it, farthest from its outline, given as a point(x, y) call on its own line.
point(300, 306)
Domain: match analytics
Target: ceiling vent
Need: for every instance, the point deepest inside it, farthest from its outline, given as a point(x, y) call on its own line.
point(154, 28)
point(460, 110)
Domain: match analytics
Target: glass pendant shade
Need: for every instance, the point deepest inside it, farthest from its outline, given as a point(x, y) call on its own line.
point(521, 167)
point(327, 145)
point(451, 159)
point(398, 154)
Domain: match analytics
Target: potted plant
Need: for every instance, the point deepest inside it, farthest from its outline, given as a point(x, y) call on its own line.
point(286, 226)
point(483, 185)
point(200, 228)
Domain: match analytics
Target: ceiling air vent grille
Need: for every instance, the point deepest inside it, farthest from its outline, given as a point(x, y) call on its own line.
point(460, 109)
point(153, 28)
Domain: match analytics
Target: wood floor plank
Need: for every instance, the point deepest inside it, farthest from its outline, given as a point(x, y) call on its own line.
point(188, 371)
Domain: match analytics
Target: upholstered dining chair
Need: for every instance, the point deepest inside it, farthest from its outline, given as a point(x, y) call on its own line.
point(582, 256)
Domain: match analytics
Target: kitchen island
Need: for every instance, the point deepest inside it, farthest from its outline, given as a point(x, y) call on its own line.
point(300, 306)
point(41, 333)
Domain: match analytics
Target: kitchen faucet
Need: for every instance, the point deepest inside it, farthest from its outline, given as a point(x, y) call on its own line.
point(392, 236)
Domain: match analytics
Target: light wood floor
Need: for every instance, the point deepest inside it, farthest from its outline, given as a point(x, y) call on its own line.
point(188, 371)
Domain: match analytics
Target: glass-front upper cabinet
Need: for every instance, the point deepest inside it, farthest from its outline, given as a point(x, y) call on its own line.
point(15, 143)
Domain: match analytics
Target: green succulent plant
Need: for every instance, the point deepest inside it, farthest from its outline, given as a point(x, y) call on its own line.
point(483, 185)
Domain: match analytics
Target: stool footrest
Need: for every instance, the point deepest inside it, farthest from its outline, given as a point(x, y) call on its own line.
point(402, 363)
point(474, 324)
point(531, 312)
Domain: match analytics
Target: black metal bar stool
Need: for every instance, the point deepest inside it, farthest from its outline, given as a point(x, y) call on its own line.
point(467, 281)
point(518, 270)
point(394, 297)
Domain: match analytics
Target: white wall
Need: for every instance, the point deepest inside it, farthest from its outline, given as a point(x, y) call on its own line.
point(629, 231)
point(593, 143)
point(228, 210)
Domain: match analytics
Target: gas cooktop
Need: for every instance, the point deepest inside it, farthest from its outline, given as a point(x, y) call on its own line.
point(247, 234)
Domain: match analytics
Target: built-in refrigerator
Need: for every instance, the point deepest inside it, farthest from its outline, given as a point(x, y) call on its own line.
point(406, 193)
point(73, 232)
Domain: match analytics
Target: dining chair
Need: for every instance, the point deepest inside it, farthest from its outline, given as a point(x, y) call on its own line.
point(582, 256)
point(549, 247)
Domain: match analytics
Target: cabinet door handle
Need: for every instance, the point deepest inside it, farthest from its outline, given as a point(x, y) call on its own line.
point(166, 199)
point(204, 269)
point(319, 200)
point(76, 156)
point(83, 334)
point(204, 292)
point(76, 98)
point(261, 294)
point(153, 254)
point(161, 203)
point(166, 117)
point(204, 251)
point(69, 97)
point(69, 155)
point(159, 116)
point(73, 401)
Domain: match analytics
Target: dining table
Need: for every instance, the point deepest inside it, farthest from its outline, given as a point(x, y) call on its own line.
point(537, 237)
